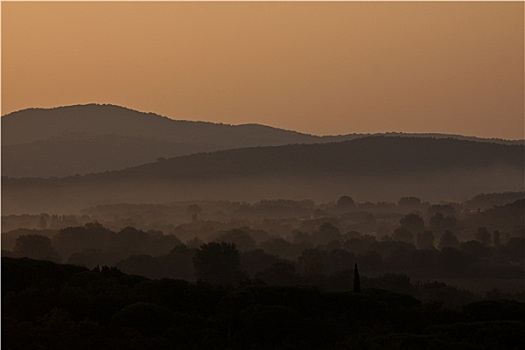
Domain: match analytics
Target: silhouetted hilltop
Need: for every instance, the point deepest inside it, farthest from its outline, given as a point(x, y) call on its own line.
point(91, 138)
point(369, 156)
point(369, 168)
point(56, 142)
point(32, 125)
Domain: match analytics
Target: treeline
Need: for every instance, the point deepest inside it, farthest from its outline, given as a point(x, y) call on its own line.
point(286, 242)
point(323, 258)
point(50, 306)
point(91, 241)
point(504, 212)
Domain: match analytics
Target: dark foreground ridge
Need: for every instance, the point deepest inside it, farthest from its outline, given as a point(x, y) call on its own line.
point(47, 305)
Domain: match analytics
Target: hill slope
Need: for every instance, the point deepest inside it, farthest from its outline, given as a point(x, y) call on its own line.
point(373, 168)
point(92, 138)
point(37, 142)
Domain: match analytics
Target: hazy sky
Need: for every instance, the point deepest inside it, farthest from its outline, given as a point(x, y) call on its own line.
point(321, 68)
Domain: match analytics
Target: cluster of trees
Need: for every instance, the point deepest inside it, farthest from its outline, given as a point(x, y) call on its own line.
point(42, 221)
point(321, 259)
point(90, 244)
point(422, 240)
point(503, 212)
point(45, 305)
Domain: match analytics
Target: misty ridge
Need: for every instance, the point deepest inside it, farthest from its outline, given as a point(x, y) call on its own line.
point(128, 230)
point(222, 162)
point(92, 138)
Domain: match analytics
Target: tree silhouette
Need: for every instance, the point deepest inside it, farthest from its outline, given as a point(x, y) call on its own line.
point(194, 210)
point(409, 202)
point(326, 234)
point(357, 280)
point(143, 265)
point(70, 240)
point(403, 234)
point(178, 263)
point(482, 235)
point(144, 317)
point(218, 263)
point(425, 239)
point(444, 209)
point(413, 222)
point(35, 247)
point(279, 274)
point(449, 240)
point(257, 260)
point(51, 306)
point(496, 239)
point(311, 262)
point(345, 203)
point(440, 223)
point(243, 241)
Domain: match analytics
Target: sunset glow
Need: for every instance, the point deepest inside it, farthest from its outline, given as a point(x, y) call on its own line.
point(320, 68)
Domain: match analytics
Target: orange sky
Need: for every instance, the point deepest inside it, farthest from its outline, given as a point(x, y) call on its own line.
point(322, 68)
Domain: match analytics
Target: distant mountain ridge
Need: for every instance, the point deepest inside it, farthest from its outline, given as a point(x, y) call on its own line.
point(92, 138)
point(111, 119)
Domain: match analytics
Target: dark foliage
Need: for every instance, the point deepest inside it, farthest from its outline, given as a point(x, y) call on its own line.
point(218, 263)
point(357, 280)
point(50, 306)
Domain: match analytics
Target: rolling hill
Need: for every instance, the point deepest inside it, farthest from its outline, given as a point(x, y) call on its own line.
point(60, 141)
point(371, 168)
point(92, 138)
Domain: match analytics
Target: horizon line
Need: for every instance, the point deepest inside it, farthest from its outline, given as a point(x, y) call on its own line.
point(422, 133)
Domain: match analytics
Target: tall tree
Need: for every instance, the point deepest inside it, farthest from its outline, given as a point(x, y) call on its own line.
point(357, 280)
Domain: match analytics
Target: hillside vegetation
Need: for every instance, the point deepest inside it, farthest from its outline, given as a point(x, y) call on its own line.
point(372, 168)
point(91, 138)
